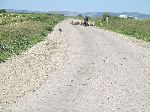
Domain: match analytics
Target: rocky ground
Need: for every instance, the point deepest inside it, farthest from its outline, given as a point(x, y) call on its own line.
point(81, 69)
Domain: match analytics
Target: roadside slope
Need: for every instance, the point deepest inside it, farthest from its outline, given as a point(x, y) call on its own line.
point(24, 74)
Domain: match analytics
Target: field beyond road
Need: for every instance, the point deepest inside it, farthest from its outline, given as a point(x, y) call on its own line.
point(139, 29)
point(18, 32)
point(81, 69)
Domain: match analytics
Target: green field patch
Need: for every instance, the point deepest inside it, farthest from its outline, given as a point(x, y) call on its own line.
point(18, 32)
point(139, 29)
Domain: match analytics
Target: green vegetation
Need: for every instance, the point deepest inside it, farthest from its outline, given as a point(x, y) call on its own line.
point(139, 29)
point(18, 32)
point(105, 15)
point(2, 11)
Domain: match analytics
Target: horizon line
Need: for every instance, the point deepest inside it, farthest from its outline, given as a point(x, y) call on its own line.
point(75, 11)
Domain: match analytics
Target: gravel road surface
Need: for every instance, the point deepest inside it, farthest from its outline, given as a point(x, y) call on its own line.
point(81, 69)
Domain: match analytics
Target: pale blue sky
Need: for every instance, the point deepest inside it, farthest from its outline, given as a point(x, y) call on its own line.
point(142, 6)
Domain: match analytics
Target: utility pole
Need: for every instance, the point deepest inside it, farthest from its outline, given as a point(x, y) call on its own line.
point(107, 20)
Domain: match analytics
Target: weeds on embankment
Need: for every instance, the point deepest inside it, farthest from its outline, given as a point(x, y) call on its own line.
point(139, 29)
point(18, 32)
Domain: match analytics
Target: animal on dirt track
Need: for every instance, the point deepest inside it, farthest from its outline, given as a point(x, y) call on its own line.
point(76, 23)
point(60, 30)
point(89, 23)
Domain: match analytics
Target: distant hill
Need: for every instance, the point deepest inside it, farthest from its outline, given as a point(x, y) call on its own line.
point(93, 14)
point(23, 11)
point(66, 13)
point(134, 14)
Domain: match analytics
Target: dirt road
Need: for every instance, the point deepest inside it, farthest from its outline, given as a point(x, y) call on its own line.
point(85, 70)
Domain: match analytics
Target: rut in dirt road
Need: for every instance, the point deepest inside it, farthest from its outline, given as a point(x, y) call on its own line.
point(101, 73)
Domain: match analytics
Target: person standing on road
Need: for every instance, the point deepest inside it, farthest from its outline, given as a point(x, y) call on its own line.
point(86, 19)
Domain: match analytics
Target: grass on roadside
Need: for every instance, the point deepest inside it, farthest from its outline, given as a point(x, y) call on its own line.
point(18, 32)
point(139, 29)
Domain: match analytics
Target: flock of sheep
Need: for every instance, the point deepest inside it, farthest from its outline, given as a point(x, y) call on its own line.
point(82, 23)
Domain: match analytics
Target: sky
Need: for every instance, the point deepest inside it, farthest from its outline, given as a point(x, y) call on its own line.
point(141, 6)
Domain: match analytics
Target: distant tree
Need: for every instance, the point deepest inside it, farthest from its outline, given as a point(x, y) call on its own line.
point(115, 17)
point(80, 16)
point(2, 11)
point(104, 16)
